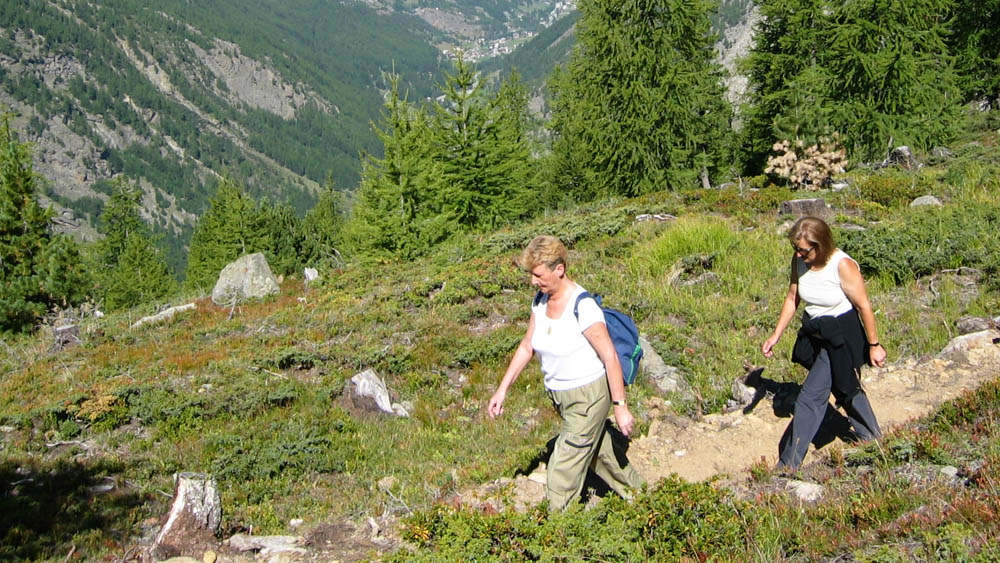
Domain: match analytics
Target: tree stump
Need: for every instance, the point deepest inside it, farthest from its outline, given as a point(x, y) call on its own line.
point(193, 520)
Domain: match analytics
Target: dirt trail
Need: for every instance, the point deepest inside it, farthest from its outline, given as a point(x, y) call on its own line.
point(728, 444)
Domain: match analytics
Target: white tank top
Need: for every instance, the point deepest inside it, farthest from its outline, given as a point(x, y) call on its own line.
point(568, 360)
point(821, 289)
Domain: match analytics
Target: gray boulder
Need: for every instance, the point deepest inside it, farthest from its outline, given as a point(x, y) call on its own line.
point(666, 379)
point(368, 384)
point(814, 207)
point(926, 200)
point(967, 325)
point(248, 277)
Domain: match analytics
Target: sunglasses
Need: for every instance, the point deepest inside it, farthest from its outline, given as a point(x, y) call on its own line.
point(803, 252)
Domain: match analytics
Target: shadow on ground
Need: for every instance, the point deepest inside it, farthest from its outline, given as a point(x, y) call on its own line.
point(49, 509)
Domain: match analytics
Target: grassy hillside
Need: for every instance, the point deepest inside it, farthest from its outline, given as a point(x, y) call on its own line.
point(255, 395)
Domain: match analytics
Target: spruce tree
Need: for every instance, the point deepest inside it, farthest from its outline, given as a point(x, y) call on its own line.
point(132, 269)
point(400, 211)
point(38, 269)
point(482, 151)
point(896, 83)
point(788, 98)
point(975, 41)
point(287, 244)
point(234, 225)
point(876, 72)
point(322, 228)
point(641, 104)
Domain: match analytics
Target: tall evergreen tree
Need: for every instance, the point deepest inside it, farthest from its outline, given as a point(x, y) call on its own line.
point(287, 247)
point(322, 228)
point(38, 269)
point(877, 72)
point(975, 41)
point(641, 104)
point(233, 226)
point(788, 98)
point(896, 82)
point(480, 146)
point(400, 210)
point(132, 269)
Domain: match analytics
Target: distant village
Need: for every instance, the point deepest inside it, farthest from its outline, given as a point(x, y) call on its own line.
point(484, 48)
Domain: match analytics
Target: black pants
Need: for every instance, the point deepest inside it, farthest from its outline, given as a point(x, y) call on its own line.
point(810, 409)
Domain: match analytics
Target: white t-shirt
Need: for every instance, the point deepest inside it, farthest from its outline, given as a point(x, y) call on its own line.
point(821, 289)
point(568, 359)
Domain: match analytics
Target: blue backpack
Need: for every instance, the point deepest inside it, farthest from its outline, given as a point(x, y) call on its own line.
point(624, 335)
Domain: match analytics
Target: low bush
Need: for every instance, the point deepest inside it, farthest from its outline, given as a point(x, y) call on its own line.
point(925, 240)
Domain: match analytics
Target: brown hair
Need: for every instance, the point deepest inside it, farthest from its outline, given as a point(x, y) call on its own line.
point(543, 249)
point(815, 231)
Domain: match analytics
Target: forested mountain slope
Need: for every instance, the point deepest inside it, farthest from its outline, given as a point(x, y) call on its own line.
point(278, 95)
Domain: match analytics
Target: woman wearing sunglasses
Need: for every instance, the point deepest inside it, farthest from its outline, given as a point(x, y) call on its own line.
point(837, 337)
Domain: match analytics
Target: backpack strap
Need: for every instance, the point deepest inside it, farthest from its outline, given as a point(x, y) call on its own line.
point(581, 297)
point(538, 298)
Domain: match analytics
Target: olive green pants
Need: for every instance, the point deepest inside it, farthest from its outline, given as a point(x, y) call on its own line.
point(584, 443)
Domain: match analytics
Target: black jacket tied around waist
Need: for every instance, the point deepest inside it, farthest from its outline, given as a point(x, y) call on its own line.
point(843, 338)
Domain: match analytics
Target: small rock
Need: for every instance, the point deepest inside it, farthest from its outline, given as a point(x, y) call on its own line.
point(950, 471)
point(839, 186)
point(815, 207)
point(903, 158)
point(926, 200)
point(209, 557)
point(680, 453)
point(386, 484)
point(296, 522)
point(968, 325)
point(941, 152)
point(806, 492)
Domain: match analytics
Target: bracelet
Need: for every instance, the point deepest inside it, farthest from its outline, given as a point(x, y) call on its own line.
point(870, 345)
point(618, 403)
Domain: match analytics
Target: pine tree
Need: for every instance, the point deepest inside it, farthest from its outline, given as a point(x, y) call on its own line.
point(233, 226)
point(789, 98)
point(896, 83)
point(287, 244)
point(641, 104)
point(322, 228)
point(877, 72)
point(480, 146)
point(132, 269)
point(975, 42)
point(38, 269)
point(400, 210)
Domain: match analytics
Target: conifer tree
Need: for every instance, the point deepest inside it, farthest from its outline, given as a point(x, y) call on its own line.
point(640, 106)
point(132, 269)
point(876, 72)
point(322, 228)
point(38, 269)
point(896, 83)
point(400, 211)
point(233, 226)
point(975, 41)
point(480, 146)
point(287, 246)
point(789, 98)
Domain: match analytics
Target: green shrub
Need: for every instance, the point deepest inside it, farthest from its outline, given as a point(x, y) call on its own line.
point(927, 239)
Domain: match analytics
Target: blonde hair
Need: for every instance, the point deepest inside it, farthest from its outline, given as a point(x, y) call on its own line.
point(543, 249)
point(817, 233)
